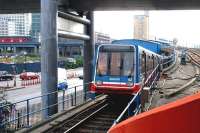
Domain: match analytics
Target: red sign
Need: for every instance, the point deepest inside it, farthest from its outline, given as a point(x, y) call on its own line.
point(14, 40)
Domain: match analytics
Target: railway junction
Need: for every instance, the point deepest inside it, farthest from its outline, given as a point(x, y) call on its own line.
point(79, 110)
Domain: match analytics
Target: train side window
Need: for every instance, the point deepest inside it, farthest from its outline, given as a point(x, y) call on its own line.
point(149, 63)
point(128, 64)
point(143, 64)
point(157, 60)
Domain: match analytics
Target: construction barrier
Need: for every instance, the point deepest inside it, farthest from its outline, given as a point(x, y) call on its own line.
point(30, 82)
point(181, 116)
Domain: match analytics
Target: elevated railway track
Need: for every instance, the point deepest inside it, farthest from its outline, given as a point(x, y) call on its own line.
point(97, 118)
point(195, 57)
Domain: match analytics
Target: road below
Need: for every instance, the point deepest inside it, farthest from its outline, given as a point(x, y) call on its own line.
point(35, 90)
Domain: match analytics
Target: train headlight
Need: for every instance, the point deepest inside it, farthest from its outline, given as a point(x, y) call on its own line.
point(99, 82)
point(130, 83)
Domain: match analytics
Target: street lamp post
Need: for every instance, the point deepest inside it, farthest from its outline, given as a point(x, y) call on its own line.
point(14, 73)
point(25, 53)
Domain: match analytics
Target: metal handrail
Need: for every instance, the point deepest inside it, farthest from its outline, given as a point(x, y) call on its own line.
point(151, 74)
point(133, 99)
point(125, 110)
point(33, 112)
point(26, 115)
point(40, 96)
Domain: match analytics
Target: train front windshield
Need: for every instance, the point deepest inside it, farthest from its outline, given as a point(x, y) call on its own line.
point(115, 61)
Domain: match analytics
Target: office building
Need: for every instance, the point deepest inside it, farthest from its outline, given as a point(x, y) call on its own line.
point(141, 26)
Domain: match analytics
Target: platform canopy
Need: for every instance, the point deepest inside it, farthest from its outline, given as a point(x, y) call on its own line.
point(16, 6)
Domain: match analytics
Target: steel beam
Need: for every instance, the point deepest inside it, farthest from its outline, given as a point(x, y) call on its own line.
point(49, 46)
point(88, 52)
point(73, 18)
point(71, 35)
point(22, 6)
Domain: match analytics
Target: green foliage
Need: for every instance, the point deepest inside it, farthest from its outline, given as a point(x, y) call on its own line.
point(72, 65)
point(21, 58)
point(79, 61)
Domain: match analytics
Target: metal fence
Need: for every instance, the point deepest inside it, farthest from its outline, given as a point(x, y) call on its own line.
point(166, 62)
point(134, 106)
point(24, 114)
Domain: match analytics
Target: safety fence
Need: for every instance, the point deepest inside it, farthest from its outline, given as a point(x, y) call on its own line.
point(167, 61)
point(25, 113)
point(30, 82)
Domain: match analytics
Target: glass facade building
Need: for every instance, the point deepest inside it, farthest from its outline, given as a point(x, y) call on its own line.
point(15, 24)
point(35, 26)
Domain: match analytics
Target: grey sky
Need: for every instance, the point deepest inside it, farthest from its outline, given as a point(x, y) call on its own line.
point(183, 24)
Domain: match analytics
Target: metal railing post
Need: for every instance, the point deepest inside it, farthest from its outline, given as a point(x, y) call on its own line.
point(18, 120)
point(75, 96)
point(27, 111)
point(63, 100)
point(47, 105)
point(72, 102)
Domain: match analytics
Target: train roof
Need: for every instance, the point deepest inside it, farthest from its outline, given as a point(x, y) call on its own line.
point(150, 45)
point(139, 47)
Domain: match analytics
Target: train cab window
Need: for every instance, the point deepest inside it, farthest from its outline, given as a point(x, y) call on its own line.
point(102, 63)
point(116, 60)
point(128, 64)
point(115, 63)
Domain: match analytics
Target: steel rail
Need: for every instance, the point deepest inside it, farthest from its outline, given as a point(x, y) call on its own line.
point(71, 35)
point(85, 119)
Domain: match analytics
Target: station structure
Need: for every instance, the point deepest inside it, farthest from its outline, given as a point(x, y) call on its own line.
point(56, 15)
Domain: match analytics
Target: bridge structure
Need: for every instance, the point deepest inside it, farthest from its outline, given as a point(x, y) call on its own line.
point(57, 19)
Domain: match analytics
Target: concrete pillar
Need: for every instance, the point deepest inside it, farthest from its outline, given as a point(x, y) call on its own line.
point(88, 52)
point(49, 46)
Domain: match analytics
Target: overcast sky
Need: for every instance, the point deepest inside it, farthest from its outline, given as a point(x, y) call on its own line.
point(184, 25)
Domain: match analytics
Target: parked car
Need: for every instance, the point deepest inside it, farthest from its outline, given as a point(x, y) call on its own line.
point(4, 75)
point(62, 85)
point(28, 76)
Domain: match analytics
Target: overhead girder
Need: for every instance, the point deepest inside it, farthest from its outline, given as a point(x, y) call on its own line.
point(88, 5)
point(19, 6)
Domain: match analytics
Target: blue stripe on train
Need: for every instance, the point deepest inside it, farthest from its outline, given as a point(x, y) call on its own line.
point(108, 78)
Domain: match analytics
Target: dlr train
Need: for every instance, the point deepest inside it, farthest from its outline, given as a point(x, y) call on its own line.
point(124, 68)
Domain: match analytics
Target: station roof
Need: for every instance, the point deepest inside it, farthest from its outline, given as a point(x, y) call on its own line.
point(16, 6)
